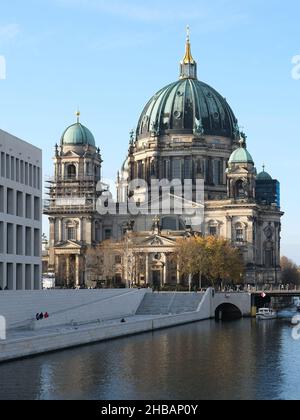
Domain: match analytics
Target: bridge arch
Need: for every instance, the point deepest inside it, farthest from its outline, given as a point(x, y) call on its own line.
point(227, 312)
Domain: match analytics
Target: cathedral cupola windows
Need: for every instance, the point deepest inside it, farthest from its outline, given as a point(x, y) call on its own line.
point(71, 171)
point(240, 191)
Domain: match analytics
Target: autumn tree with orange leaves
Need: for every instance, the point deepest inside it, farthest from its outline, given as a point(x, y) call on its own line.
point(210, 258)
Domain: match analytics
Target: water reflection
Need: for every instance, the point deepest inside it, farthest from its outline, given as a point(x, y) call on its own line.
point(239, 360)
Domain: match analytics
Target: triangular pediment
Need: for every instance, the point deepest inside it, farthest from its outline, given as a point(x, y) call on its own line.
point(68, 245)
point(174, 201)
point(71, 153)
point(157, 240)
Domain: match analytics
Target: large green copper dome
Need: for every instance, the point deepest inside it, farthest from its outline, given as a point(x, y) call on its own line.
point(77, 134)
point(188, 106)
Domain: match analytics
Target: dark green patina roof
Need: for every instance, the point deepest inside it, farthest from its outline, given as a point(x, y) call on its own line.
point(241, 155)
point(77, 134)
point(264, 176)
point(188, 106)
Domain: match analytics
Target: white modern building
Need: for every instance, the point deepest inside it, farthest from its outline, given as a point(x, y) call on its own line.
point(20, 214)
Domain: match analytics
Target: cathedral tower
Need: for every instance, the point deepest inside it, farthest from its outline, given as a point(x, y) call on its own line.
point(74, 223)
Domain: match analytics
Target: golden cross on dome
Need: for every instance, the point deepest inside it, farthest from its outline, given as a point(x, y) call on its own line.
point(78, 115)
point(188, 32)
point(188, 58)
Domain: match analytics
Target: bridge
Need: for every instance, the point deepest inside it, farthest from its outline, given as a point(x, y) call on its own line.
point(278, 293)
point(244, 304)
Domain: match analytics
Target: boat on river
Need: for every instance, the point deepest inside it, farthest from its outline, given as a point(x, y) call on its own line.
point(266, 313)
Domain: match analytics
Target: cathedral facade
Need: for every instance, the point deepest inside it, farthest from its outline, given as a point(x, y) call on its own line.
point(187, 131)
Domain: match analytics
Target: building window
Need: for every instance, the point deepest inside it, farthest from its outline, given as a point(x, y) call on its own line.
point(107, 234)
point(240, 190)
point(71, 172)
point(1, 199)
point(188, 169)
point(118, 259)
point(10, 201)
point(140, 169)
point(239, 235)
point(176, 169)
point(71, 233)
point(28, 206)
point(213, 231)
point(37, 211)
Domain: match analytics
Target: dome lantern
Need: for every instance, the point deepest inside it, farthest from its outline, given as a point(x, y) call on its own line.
point(188, 66)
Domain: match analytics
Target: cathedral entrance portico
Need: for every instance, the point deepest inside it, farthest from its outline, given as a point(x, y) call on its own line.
point(68, 267)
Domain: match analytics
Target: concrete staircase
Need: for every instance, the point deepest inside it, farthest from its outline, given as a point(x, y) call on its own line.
point(19, 308)
point(169, 303)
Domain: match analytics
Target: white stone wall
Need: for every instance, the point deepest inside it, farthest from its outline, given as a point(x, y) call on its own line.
point(64, 306)
point(20, 214)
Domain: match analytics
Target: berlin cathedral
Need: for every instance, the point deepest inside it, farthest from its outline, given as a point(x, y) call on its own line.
point(187, 130)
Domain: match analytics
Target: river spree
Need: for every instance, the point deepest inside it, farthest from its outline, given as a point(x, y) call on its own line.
point(208, 360)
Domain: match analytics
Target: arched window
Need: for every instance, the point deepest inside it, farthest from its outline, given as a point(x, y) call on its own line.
point(239, 189)
point(239, 233)
point(213, 228)
point(71, 172)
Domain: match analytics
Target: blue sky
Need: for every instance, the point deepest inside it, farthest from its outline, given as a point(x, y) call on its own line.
point(110, 57)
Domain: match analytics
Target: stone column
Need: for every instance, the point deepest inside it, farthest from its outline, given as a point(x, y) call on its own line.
point(56, 266)
point(52, 232)
point(229, 227)
point(165, 271)
point(77, 270)
point(147, 269)
point(81, 229)
point(178, 274)
point(88, 230)
point(223, 167)
point(68, 269)
point(60, 230)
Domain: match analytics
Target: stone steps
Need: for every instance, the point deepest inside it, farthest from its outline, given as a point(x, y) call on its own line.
point(169, 303)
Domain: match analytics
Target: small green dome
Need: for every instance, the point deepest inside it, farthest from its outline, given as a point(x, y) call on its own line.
point(241, 155)
point(264, 176)
point(78, 134)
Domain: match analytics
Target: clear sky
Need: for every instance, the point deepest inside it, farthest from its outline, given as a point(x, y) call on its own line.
point(110, 56)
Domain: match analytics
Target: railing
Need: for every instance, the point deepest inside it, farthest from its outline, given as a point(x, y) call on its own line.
point(91, 178)
point(261, 289)
point(49, 205)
